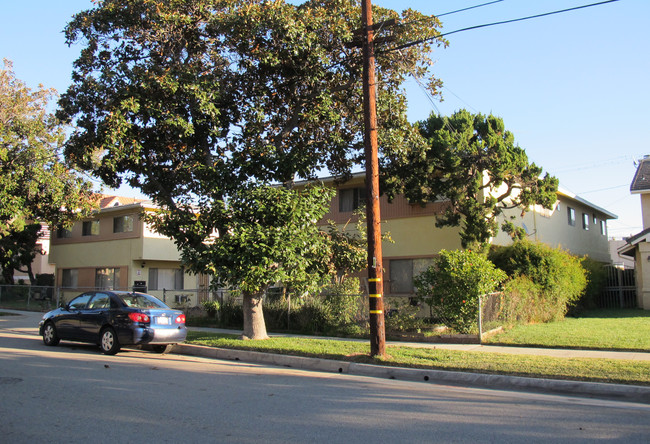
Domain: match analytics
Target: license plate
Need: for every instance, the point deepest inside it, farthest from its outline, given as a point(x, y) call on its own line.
point(164, 320)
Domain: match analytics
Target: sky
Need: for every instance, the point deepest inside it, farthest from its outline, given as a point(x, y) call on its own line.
point(573, 88)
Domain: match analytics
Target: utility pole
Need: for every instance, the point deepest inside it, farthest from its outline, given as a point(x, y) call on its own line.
point(375, 270)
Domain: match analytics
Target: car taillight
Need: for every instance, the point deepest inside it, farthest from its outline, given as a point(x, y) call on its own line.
point(180, 319)
point(139, 317)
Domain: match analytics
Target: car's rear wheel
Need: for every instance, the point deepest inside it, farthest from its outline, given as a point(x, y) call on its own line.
point(108, 341)
point(50, 337)
point(162, 348)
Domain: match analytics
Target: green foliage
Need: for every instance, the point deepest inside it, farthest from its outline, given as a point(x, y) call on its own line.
point(474, 163)
point(596, 274)
point(453, 284)
point(558, 277)
point(271, 237)
point(524, 302)
point(401, 316)
point(342, 302)
point(211, 308)
point(36, 185)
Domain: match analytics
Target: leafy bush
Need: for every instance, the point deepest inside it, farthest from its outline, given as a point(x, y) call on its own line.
point(311, 317)
point(401, 316)
point(232, 314)
point(558, 274)
point(524, 302)
point(211, 308)
point(342, 301)
point(453, 284)
point(596, 281)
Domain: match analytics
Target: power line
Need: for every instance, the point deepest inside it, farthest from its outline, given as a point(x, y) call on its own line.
point(468, 8)
point(417, 42)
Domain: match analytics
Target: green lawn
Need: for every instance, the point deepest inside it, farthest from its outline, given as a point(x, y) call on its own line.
point(583, 369)
point(598, 329)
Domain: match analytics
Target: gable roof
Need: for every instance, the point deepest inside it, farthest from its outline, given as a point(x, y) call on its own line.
point(631, 242)
point(106, 201)
point(641, 181)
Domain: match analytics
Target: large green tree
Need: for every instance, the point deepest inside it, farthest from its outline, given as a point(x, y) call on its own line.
point(191, 100)
point(472, 162)
point(36, 185)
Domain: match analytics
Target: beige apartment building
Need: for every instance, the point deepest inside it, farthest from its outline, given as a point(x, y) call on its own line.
point(574, 224)
point(116, 250)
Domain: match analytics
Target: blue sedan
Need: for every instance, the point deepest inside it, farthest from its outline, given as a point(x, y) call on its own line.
point(112, 319)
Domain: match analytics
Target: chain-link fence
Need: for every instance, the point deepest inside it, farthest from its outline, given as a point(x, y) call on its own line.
point(290, 312)
point(28, 297)
point(43, 298)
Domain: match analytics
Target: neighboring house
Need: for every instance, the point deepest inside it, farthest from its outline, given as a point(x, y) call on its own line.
point(573, 224)
point(41, 264)
point(637, 247)
point(115, 249)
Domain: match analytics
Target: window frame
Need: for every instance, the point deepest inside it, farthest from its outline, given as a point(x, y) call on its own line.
point(124, 224)
point(90, 227)
point(571, 216)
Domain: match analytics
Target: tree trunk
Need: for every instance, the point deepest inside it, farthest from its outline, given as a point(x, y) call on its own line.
point(254, 325)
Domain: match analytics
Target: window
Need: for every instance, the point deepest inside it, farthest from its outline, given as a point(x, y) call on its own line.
point(63, 233)
point(123, 224)
point(603, 228)
point(99, 301)
point(90, 228)
point(571, 215)
point(79, 303)
point(402, 272)
point(585, 221)
point(351, 199)
point(107, 278)
point(166, 279)
point(70, 278)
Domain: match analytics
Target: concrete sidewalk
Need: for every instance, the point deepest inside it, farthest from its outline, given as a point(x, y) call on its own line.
point(27, 323)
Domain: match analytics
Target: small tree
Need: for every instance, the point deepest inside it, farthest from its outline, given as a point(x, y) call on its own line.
point(454, 283)
point(473, 163)
point(271, 238)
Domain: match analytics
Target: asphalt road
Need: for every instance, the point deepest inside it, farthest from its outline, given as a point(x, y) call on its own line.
point(72, 393)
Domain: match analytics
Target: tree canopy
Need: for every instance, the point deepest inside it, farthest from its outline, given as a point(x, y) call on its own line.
point(472, 162)
point(36, 185)
point(192, 100)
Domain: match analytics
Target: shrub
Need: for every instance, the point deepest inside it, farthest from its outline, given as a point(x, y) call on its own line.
point(559, 275)
point(311, 317)
point(211, 308)
point(342, 302)
point(523, 301)
point(453, 284)
point(596, 281)
point(402, 316)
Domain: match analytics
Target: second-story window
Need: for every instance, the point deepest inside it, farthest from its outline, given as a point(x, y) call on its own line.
point(63, 233)
point(571, 215)
point(351, 199)
point(90, 228)
point(123, 224)
point(585, 221)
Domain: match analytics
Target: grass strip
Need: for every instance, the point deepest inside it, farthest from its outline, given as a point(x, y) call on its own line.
point(576, 369)
point(598, 329)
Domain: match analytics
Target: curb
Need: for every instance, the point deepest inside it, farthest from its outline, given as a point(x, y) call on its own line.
point(615, 392)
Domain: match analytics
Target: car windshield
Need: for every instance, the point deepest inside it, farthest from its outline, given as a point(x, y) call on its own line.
point(139, 300)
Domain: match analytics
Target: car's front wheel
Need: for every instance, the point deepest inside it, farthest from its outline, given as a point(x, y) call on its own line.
point(108, 341)
point(49, 334)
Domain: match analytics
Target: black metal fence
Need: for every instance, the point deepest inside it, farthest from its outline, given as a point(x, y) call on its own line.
point(620, 289)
